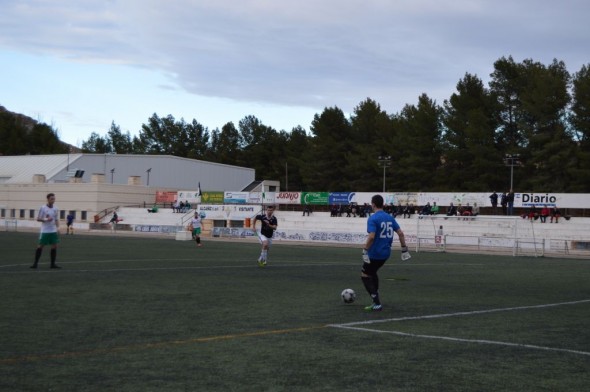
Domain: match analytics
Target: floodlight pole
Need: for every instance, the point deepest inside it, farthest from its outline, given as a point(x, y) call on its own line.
point(384, 162)
point(148, 171)
point(512, 160)
point(286, 176)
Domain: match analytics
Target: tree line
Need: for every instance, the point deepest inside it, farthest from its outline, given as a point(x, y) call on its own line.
point(532, 116)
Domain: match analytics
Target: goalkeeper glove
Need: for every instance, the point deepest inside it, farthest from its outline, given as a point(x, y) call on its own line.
point(366, 257)
point(405, 254)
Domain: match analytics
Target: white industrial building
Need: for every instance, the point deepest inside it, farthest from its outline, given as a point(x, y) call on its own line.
point(90, 183)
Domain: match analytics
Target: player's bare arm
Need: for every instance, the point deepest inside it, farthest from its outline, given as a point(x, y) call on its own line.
point(402, 237)
point(370, 240)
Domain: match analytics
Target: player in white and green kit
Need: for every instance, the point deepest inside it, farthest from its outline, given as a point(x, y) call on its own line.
point(196, 224)
point(49, 217)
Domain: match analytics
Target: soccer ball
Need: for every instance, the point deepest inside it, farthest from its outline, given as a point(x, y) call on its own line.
point(348, 296)
point(203, 215)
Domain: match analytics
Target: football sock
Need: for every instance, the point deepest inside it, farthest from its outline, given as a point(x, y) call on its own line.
point(38, 255)
point(198, 240)
point(375, 296)
point(264, 254)
point(369, 284)
point(53, 256)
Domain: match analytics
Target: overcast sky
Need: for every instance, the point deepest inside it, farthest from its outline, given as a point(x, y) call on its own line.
point(79, 65)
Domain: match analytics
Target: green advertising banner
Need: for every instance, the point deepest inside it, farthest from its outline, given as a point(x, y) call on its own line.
point(212, 197)
point(317, 198)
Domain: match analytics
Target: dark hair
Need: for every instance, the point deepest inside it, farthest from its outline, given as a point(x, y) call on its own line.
point(271, 206)
point(50, 195)
point(377, 200)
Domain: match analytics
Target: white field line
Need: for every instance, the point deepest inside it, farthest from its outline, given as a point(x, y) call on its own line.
point(443, 315)
point(278, 264)
point(42, 270)
point(476, 341)
point(352, 326)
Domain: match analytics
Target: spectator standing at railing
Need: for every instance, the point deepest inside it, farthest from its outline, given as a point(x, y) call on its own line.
point(494, 201)
point(306, 210)
point(334, 210)
point(510, 200)
point(407, 211)
point(504, 203)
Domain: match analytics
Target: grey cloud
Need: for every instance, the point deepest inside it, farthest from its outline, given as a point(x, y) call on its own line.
point(305, 53)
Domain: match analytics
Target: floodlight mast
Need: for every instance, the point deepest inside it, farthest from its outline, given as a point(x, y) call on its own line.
point(384, 162)
point(512, 160)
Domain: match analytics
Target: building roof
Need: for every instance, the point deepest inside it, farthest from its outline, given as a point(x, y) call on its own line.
point(164, 171)
point(22, 168)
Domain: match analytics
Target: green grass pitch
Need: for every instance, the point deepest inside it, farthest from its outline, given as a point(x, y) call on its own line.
point(155, 314)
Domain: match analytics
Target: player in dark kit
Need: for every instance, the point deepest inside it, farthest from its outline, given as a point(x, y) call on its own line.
point(268, 225)
point(381, 227)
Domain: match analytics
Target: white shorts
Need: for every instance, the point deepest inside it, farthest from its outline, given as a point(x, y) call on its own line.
point(262, 238)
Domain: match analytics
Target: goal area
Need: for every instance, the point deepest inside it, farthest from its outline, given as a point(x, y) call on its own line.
point(500, 234)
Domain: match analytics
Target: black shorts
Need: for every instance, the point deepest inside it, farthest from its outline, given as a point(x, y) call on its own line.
point(372, 268)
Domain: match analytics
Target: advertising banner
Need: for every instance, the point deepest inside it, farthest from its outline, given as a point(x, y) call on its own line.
point(288, 197)
point(317, 198)
point(190, 196)
point(443, 199)
point(165, 197)
point(212, 197)
point(340, 198)
point(261, 198)
point(229, 212)
point(235, 197)
point(561, 200)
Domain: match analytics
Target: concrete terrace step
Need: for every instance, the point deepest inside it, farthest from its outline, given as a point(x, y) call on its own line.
point(484, 226)
point(140, 216)
point(481, 226)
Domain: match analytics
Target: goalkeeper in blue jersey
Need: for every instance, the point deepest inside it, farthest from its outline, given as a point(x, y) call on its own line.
point(381, 227)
